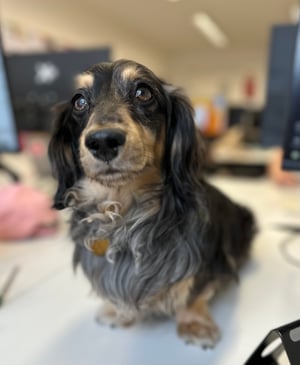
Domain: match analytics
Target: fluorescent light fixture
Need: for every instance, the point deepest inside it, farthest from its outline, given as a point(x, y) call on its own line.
point(210, 30)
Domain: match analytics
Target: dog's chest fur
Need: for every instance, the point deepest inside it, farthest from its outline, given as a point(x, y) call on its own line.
point(140, 269)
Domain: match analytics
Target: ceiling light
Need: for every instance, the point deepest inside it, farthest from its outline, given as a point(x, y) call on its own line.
point(210, 29)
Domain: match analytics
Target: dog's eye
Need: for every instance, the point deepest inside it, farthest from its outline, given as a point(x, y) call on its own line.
point(143, 93)
point(80, 103)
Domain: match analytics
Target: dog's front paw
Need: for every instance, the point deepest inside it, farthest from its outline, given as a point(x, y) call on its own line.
point(197, 330)
point(108, 315)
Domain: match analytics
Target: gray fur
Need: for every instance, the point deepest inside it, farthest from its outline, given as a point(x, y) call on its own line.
point(140, 261)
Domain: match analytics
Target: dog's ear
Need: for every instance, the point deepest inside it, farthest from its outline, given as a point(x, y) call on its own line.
point(63, 153)
point(183, 152)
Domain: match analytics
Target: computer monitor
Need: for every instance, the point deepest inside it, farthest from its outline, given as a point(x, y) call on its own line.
point(280, 122)
point(40, 80)
point(278, 84)
point(291, 156)
point(8, 131)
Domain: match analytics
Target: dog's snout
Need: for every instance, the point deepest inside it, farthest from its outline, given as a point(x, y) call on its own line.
point(105, 144)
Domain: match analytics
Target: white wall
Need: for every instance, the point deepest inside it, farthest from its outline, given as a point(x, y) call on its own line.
point(216, 71)
point(63, 21)
point(200, 73)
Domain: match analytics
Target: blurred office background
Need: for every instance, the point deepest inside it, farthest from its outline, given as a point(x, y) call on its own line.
point(219, 52)
point(162, 35)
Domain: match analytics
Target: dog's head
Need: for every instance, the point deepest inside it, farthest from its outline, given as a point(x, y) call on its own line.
point(121, 122)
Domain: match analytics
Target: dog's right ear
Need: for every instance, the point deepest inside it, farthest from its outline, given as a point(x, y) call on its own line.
point(63, 153)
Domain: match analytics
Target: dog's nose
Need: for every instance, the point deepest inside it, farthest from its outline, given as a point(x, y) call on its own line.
point(105, 144)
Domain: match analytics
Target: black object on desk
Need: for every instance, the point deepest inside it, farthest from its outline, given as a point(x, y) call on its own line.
point(289, 336)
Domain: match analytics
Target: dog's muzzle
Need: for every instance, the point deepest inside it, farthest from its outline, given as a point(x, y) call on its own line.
point(106, 143)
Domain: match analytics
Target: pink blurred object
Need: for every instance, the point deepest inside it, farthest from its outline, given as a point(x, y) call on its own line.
point(25, 212)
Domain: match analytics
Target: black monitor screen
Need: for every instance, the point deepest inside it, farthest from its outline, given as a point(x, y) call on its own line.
point(40, 80)
point(291, 158)
point(281, 57)
point(8, 133)
point(281, 118)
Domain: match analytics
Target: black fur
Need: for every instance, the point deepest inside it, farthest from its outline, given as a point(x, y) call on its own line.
point(64, 154)
point(177, 228)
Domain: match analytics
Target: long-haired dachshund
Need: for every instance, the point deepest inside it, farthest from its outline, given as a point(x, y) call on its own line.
point(150, 234)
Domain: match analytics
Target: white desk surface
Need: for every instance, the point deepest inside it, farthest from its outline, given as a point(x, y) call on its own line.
point(48, 318)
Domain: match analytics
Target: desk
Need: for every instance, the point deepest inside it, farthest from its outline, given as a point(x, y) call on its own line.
point(49, 315)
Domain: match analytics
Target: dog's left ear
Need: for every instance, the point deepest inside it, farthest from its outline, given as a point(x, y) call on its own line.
point(183, 152)
point(63, 153)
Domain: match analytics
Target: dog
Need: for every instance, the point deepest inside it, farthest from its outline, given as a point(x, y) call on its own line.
point(151, 235)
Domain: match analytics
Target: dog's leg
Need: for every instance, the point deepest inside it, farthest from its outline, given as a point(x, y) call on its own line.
point(109, 315)
point(195, 324)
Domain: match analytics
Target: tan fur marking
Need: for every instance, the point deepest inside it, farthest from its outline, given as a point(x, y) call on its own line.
point(195, 324)
point(172, 300)
point(140, 153)
point(109, 315)
point(84, 80)
point(129, 73)
point(92, 191)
